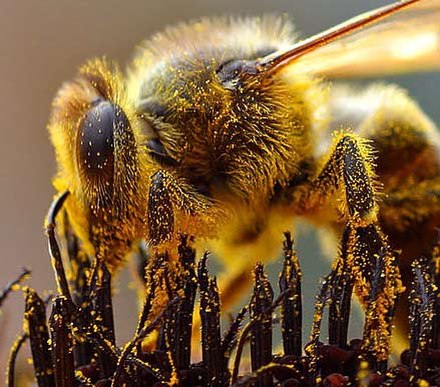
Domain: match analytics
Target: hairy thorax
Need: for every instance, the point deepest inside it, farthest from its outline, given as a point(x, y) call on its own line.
point(237, 138)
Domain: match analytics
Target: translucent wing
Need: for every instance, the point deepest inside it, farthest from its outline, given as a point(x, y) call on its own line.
point(402, 37)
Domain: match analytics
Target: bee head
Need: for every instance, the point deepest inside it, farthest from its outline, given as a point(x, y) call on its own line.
point(92, 131)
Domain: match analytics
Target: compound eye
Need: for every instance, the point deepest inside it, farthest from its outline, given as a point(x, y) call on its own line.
point(95, 141)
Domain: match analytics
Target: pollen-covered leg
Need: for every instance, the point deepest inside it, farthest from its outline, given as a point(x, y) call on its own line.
point(346, 180)
point(174, 207)
point(160, 213)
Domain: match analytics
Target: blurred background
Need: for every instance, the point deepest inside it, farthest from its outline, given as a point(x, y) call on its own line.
point(42, 44)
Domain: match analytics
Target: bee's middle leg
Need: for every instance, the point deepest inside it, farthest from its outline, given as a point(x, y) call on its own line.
point(346, 180)
point(346, 175)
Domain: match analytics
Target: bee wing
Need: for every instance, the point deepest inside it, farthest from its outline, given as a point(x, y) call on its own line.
point(404, 41)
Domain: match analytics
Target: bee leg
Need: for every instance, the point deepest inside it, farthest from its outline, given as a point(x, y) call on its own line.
point(175, 207)
point(160, 212)
point(347, 180)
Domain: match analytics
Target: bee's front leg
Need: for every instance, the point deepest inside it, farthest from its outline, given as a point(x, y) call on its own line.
point(175, 207)
point(160, 212)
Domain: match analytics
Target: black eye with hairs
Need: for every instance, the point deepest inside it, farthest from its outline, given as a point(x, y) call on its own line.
point(158, 152)
point(95, 145)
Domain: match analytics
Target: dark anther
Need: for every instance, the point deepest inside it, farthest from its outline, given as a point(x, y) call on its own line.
point(35, 316)
point(291, 311)
point(101, 304)
point(152, 280)
point(422, 298)
point(186, 307)
point(212, 354)
point(261, 331)
point(339, 310)
point(230, 338)
point(62, 342)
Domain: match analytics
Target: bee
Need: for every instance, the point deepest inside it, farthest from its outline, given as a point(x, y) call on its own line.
point(227, 129)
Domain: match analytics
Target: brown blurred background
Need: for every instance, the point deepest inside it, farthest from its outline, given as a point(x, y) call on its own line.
point(42, 44)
